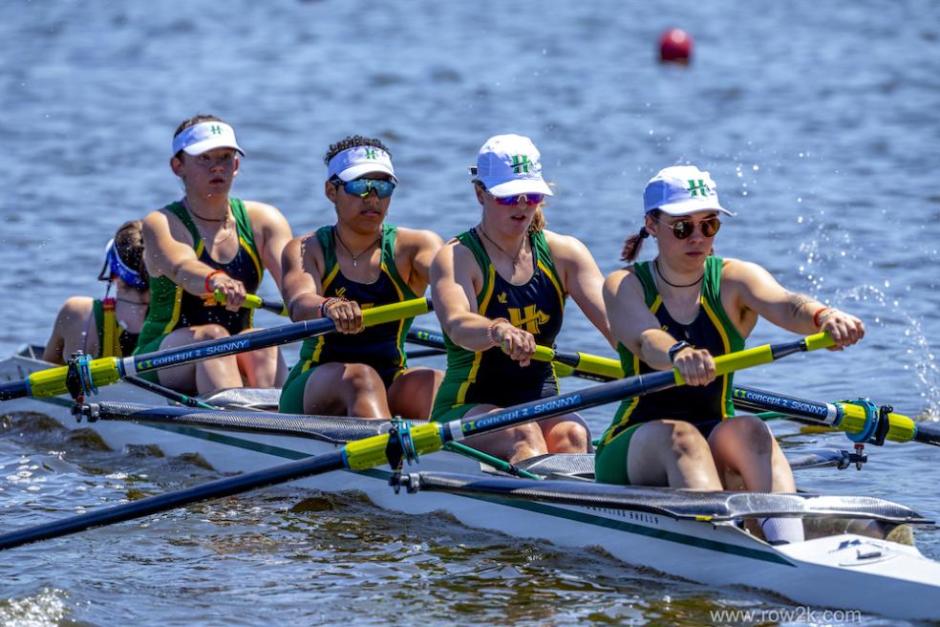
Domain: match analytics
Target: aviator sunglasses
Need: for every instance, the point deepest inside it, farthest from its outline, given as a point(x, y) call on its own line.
point(364, 187)
point(509, 201)
point(683, 229)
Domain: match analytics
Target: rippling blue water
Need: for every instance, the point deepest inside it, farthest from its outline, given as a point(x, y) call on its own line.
point(818, 120)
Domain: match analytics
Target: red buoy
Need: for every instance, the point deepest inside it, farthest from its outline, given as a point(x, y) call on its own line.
point(675, 46)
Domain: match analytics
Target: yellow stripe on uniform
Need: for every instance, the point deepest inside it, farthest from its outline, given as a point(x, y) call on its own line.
point(726, 344)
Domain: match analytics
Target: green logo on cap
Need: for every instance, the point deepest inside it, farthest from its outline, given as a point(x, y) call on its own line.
point(698, 188)
point(215, 129)
point(520, 164)
point(371, 154)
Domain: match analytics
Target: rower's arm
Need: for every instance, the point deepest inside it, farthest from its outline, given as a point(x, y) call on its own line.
point(632, 323)
point(454, 296)
point(300, 284)
point(758, 290)
point(582, 279)
point(273, 233)
point(167, 253)
point(424, 246)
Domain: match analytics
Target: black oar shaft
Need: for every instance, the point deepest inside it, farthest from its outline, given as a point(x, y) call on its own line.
point(172, 500)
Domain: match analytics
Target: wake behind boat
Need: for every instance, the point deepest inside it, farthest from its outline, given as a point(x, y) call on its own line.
point(851, 558)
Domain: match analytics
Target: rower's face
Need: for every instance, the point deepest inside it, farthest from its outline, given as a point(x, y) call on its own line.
point(683, 239)
point(514, 218)
point(361, 212)
point(211, 172)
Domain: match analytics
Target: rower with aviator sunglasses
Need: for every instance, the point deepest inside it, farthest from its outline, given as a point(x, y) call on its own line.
point(499, 290)
point(341, 269)
point(106, 327)
point(681, 310)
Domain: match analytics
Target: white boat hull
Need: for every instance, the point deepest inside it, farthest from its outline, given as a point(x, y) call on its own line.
point(844, 571)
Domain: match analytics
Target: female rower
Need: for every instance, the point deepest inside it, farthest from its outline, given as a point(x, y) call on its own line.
point(208, 242)
point(681, 310)
point(499, 289)
point(338, 270)
point(106, 327)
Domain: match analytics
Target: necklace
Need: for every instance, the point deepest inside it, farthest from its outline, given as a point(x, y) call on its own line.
point(355, 258)
point(224, 227)
point(660, 273)
point(513, 258)
point(203, 218)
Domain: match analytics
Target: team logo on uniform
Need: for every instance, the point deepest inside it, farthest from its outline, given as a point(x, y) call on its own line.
point(529, 318)
point(502, 298)
point(340, 293)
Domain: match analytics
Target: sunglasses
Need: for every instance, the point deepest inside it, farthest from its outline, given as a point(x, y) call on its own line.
point(510, 201)
point(364, 187)
point(683, 229)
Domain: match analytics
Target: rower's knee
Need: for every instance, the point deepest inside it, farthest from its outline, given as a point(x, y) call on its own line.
point(362, 378)
point(743, 433)
point(570, 435)
point(686, 441)
point(209, 332)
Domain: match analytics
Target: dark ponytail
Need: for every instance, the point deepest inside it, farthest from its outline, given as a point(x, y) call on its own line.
point(632, 245)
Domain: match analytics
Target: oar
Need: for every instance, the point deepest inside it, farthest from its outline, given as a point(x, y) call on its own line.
point(253, 301)
point(412, 440)
point(862, 421)
point(857, 419)
point(584, 364)
point(107, 370)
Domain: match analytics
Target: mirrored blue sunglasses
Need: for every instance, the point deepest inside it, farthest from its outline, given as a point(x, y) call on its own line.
point(363, 187)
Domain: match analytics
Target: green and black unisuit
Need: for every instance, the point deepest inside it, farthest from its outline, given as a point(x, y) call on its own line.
point(113, 339)
point(382, 346)
point(172, 307)
point(703, 406)
point(491, 376)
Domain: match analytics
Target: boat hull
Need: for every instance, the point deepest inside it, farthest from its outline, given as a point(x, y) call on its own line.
point(843, 571)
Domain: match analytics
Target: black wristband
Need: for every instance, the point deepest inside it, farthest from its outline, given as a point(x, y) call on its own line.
point(675, 348)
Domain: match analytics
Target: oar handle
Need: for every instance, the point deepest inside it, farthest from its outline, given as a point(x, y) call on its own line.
point(253, 301)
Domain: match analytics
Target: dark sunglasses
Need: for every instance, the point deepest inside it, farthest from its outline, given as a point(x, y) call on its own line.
point(364, 187)
point(529, 199)
point(683, 229)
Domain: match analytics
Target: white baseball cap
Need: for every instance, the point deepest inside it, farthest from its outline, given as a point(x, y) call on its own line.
point(199, 138)
point(680, 190)
point(509, 165)
point(354, 162)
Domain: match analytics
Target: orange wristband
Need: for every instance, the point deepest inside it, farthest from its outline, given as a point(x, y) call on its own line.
point(209, 278)
point(816, 321)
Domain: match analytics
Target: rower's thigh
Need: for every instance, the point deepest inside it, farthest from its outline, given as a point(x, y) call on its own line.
point(183, 377)
point(332, 387)
point(504, 442)
point(411, 395)
point(263, 367)
point(657, 446)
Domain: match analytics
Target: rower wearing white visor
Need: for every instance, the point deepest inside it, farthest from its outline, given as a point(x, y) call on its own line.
point(106, 327)
point(680, 310)
point(206, 243)
point(340, 269)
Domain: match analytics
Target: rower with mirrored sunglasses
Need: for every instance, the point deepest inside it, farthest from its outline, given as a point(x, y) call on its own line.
point(106, 327)
point(680, 310)
point(499, 290)
point(338, 270)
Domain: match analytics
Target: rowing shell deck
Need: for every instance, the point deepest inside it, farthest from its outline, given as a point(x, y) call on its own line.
point(694, 536)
